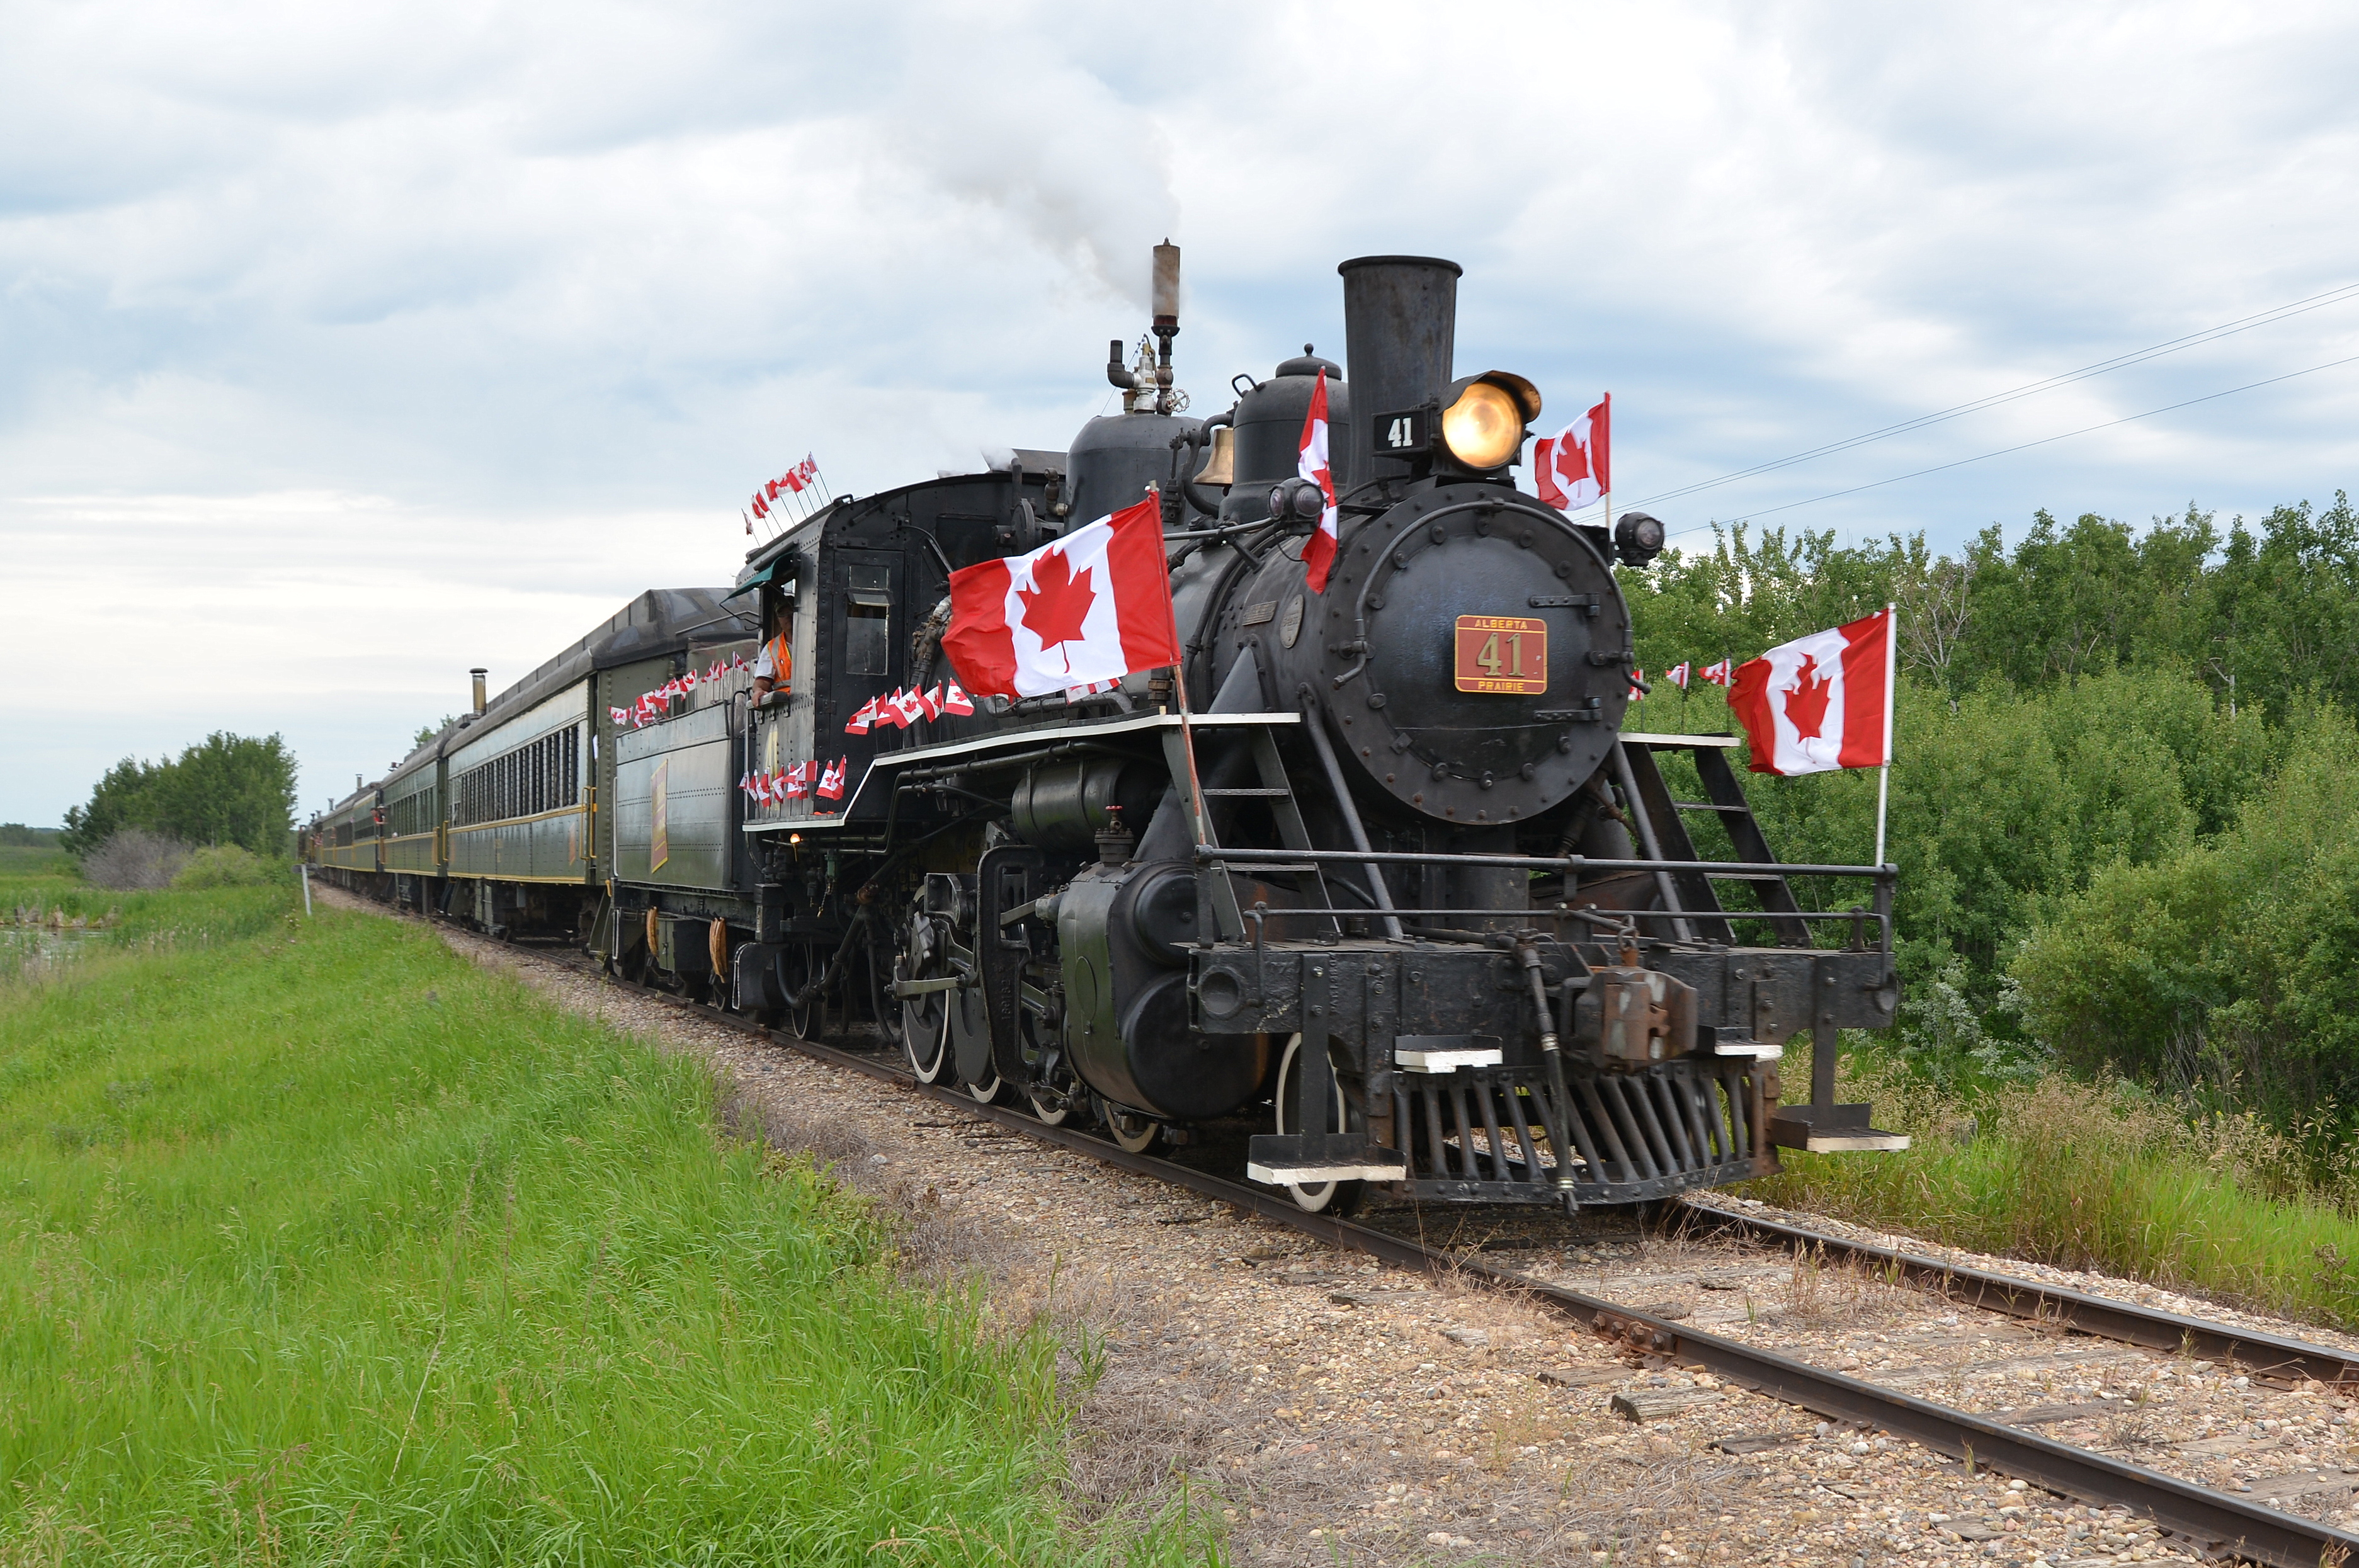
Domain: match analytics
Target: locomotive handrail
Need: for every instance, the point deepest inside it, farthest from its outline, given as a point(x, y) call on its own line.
point(1734, 870)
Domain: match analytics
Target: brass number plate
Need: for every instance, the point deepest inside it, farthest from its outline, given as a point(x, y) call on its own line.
point(1501, 653)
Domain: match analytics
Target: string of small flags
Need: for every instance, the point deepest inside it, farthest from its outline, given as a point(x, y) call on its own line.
point(904, 708)
point(653, 706)
point(1722, 674)
point(787, 487)
point(776, 786)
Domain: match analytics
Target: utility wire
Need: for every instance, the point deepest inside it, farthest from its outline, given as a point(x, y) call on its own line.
point(2027, 446)
point(2210, 334)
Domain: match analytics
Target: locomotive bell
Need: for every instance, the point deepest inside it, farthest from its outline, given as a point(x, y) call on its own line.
point(1220, 464)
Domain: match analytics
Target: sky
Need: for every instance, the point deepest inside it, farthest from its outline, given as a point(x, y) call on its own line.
point(342, 348)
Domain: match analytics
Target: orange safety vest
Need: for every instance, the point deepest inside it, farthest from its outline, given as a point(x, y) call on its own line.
point(782, 663)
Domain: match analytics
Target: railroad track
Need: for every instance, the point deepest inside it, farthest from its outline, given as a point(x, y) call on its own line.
point(2206, 1519)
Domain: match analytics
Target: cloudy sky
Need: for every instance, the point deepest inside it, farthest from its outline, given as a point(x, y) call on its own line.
point(344, 347)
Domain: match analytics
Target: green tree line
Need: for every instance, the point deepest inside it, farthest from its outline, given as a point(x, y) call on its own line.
point(2127, 785)
point(225, 789)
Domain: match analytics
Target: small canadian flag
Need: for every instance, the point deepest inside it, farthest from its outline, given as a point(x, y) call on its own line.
point(1573, 468)
point(955, 700)
point(1678, 674)
point(1722, 674)
point(858, 723)
point(1822, 702)
point(908, 708)
point(799, 780)
point(1094, 605)
point(1319, 554)
point(931, 702)
point(620, 716)
point(831, 780)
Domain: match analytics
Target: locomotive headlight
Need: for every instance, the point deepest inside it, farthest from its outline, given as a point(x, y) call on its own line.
point(1483, 422)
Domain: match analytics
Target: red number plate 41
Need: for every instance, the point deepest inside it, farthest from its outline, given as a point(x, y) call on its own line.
point(1501, 653)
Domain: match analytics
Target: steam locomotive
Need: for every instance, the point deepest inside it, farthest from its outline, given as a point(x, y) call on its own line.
point(1378, 867)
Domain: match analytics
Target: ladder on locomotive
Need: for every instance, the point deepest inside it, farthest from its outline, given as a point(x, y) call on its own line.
point(1277, 789)
point(1693, 905)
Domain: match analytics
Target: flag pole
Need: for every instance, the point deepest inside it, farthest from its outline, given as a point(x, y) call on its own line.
point(1187, 729)
point(1891, 675)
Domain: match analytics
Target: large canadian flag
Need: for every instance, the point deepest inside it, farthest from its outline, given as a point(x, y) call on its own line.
point(1094, 606)
point(1311, 464)
point(1574, 467)
point(1822, 702)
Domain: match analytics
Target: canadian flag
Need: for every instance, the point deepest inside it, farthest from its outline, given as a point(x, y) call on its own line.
point(1637, 685)
point(955, 700)
point(1722, 674)
point(1319, 555)
point(620, 716)
point(1094, 605)
point(799, 780)
point(858, 723)
point(831, 780)
point(762, 788)
point(779, 785)
point(931, 702)
point(761, 507)
point(1573, 468)
point(746, 783)
point(906, 709)
point(1088, 689)
point(1678, 674)
point(1822, 702)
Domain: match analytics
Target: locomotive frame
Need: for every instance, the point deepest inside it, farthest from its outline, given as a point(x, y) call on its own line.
point(1450, 946)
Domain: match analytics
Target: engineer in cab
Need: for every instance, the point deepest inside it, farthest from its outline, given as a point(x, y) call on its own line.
point(774, 668)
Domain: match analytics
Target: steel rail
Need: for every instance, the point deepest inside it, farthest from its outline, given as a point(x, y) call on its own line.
point(2150, 1328)
point(2219, 1521)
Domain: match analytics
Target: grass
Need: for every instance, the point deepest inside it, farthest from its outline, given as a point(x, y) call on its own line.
point(320, 1246)
point(2099, 1175)
point(33, 860)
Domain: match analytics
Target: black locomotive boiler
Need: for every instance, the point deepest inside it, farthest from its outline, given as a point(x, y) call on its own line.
point(1379, 866)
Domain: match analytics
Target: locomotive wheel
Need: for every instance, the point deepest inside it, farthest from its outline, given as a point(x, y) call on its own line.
point(990, 1090)
point(882, 961)
point(795, 971)
point(1338, 1198)
point(926, 1019)
point(1132, 1132)
point(1049, 1112)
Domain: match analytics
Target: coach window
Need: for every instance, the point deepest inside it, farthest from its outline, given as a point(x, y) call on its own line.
point(868, 618)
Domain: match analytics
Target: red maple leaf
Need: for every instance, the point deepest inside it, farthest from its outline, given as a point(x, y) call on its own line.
point(1057, 602)
point(1806, 701)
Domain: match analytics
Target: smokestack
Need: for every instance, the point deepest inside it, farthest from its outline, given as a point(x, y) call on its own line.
point(1401, 325)
point(479, 675)
point(1167, 285)
point(1167, 322)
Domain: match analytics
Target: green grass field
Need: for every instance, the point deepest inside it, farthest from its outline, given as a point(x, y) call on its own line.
point(2100, 1176)
point(320, 1246)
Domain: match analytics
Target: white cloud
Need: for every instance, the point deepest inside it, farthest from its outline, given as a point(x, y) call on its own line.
point(373, 341)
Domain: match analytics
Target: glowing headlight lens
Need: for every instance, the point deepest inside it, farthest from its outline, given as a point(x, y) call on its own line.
point(1483, 428)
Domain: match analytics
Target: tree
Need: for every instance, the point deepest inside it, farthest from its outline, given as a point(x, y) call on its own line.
point(225, 789)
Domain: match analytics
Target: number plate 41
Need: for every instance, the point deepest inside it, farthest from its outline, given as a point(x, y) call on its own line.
point(1501, 653)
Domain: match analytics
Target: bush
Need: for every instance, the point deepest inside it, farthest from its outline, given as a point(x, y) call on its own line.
point(225, 866)
point(2232, 965)
point(136, 859)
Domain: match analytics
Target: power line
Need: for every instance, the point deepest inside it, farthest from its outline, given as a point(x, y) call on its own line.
point(2027, 446)
point(2119, 361)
